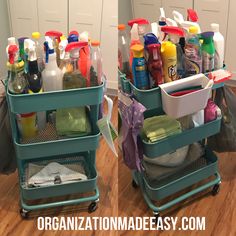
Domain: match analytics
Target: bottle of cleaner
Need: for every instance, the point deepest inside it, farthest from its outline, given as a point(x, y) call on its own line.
point(84, 57)
point(140, 75)
point(65, 65)
point(21, 48)
point(154, 64)
point(55, 36)
point(169, 61)
point(34, 79)
point(175, 34)
point(17, 83)
point(134, 40)
point(193, 54)
point(123, 51)
point(74, 79)
point(39, 51)
point(142, 26)
point(219, 44)
point(52, 75)
point(96, 64)
point(161, 23)
point(208, 52)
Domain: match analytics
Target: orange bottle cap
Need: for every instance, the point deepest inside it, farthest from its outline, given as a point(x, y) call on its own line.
point(95, 43)
point(121, 27)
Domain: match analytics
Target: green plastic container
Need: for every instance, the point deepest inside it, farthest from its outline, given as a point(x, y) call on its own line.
point(186, 178)
point(56, 190)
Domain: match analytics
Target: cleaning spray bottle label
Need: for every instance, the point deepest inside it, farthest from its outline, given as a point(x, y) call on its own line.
point(208, 62)
point(141, 73)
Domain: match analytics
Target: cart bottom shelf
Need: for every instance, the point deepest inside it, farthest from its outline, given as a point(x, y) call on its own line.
point(200, 170)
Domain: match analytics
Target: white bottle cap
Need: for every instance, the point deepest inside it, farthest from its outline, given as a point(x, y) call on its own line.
point(215, 27)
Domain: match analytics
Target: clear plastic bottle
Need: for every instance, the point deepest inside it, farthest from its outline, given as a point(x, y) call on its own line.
point(193, 54)
point(39, 51)
point(123, 51)
point(96, 64)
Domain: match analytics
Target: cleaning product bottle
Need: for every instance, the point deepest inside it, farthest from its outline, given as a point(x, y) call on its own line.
point(55, 36)
point(140, 75)
point(154, 64)
point(84, 57)
point(175, 34)
point(17, 83)
point(52, 75)
point(65, 65)
point(134, 40)
point(193, 54)
point(169, 61)
point(208, 52)
point(34, 79)
point(161, 23)
point(96, 64)
point(21, 48)
point(39, 51)
point(178, 17)
point(74, 79)
point(142, 26)
point(123, 52)
point(219, 44)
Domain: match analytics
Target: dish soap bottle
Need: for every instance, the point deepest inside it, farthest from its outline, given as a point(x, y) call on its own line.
point(52, 75)
point(140, 75)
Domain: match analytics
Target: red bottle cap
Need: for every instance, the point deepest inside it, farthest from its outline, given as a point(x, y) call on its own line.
point(192, 15)
point(27, 115)
point(173, 30)
point(75, 45)
point(139, 21)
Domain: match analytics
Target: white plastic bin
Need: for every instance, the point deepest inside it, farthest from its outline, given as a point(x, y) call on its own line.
point(177, 107)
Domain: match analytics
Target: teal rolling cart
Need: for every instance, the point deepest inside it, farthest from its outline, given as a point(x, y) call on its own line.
point(204, 168)
point(79, 151)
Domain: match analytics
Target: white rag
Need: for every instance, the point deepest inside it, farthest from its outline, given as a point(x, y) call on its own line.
point(52, 172)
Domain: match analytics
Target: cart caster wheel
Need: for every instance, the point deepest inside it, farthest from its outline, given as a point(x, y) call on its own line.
point(134, 184)
point(156, 215)
point(24, 213)
point(215, 190)
point(92, 207)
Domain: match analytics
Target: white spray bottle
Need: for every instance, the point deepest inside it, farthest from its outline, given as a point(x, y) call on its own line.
point(52, 75)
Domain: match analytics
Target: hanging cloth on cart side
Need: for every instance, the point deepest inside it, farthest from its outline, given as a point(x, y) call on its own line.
point(132, 122)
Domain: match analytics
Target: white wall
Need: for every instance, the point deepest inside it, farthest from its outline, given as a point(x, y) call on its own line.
point(125, 11)
point(4, 34)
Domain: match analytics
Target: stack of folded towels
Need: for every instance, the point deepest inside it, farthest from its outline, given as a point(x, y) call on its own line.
point(159, 127)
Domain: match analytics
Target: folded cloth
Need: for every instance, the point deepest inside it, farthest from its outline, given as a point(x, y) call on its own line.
point(159, 127)
point(51, 174)
point(156, 173)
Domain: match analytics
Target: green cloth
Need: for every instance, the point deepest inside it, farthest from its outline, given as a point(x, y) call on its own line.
point(72, 122)
point(159, 127)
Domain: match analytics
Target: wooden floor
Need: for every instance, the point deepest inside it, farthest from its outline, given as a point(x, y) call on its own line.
point(220, 211)
point(12, 224)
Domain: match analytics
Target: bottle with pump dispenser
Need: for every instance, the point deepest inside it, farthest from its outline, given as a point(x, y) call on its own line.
point(154, 64)
point(39, 51)
point(193, 53)
point(219, 44)
point(96, 64)
point(52, 75)
point(34, 79)
point(140, 75)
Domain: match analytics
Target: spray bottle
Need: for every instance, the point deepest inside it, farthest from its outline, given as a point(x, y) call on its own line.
point(140, 75)
point(34, 78)
point(39, 51)
point(74, 79)
point(154, 64)
point(175, 34)
point(55, 36)
point(208, 51)
point(84, 57)
point(178, 17)
point(161, 23)
point(193, 53)
point(52, 75)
